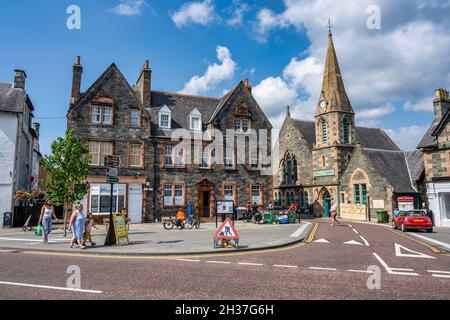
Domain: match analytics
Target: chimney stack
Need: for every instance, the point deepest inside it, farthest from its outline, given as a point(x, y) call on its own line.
point(441, 103)
point(19, 79)
point(144, 84)
point(247, 85)
point(37, 127)
point(76, 81)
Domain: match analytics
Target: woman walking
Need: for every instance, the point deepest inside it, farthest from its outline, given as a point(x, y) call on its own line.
point(334, 213)
point(77, 222)
point(45, 219)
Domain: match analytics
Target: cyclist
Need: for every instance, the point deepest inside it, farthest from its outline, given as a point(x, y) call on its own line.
point(180, 218)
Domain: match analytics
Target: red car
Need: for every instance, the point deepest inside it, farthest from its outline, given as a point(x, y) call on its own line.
point(413, 219)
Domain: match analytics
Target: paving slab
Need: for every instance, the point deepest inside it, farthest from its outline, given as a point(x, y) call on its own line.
point(153, 239)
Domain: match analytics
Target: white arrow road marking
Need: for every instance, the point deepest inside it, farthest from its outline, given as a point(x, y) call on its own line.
point(395, 270)
point(440, 274)
point(48, 287)
point(353, 242)
point(365, 241)
point(412, 254)
point(300, 230)
point(322, 241)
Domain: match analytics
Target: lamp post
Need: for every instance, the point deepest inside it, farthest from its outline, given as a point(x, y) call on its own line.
point(339, 197)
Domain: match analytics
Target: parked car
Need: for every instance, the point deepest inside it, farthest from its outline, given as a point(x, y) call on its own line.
point(413, 219)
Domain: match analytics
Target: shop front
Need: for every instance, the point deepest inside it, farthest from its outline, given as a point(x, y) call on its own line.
point(439, 199)
point(126, 194)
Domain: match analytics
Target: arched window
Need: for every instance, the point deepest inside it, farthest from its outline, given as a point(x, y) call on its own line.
point(345, 130)
point(324, 161)
point(288, 198)
point(295, 170)
point(324, 131)
point(283, 172)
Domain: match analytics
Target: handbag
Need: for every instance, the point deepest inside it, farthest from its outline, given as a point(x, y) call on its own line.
point(38, 231)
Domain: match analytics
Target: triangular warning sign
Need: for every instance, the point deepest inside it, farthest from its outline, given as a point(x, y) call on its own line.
point(227, 231)
point(411, 254)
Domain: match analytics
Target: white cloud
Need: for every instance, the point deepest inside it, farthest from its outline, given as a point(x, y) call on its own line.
point(407, 137)
point(273, 94)
point(405, 61)
point(202, 13)
point(376, 113)
point(129, 7)
point(215, 74)
point(238, 9)
point(425, 104)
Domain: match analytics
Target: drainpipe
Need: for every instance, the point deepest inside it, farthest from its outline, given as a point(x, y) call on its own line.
point(339, 197)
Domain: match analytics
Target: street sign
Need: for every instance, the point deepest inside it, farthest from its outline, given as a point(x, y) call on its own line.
point(298, 183)
point(112, 180)
point(113, 172)
point(112, 161)
point(227, 231)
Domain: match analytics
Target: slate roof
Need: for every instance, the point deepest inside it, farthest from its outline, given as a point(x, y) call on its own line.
point(399, 168)
point(368, 137)
point(11, 99)
point(181, 106)
point(429, 139)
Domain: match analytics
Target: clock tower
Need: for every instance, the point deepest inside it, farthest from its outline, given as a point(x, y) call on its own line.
point(335, 126)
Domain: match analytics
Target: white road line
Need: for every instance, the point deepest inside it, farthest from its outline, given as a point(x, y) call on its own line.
point(365, 241)
point(401, 269)
point(249, 264)
point(188, 260)
point(360, 271)
point(300, 230)
point(439, 243)
point(441, 276)
point(48, 287)
point(354, 230)
point(326, 269)
point(218, 262)
point(411, 254)
point(283, 266)
point(436, 271)
point(392, 270)
point(35, 240)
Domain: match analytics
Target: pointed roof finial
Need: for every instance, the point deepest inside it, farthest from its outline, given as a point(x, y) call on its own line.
point(330, 27)
point(288, 111)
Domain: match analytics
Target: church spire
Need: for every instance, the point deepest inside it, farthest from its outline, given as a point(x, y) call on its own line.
point(334, 96)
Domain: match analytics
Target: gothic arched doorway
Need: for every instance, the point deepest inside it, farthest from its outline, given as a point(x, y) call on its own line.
point(326, 203)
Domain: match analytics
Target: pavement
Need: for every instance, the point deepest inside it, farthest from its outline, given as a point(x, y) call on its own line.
point(153, 239)
point(353, 261)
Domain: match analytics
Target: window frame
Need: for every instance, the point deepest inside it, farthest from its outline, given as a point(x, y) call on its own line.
point(169, 120)
point(99, 153)
point(139, 114)
point(141, 153)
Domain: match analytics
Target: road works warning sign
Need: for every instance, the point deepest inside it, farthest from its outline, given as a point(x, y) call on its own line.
point(227, 231)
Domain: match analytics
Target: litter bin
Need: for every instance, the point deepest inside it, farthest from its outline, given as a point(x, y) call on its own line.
point(7, 220)
point(382, 217)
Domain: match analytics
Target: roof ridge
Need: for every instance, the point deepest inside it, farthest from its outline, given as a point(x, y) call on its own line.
point(185, 95)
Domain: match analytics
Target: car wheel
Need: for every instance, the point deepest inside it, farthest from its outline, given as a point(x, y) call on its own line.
point(430, 230)
point(404, 229)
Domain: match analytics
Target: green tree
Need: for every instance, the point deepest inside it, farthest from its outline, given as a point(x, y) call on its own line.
point(68, 167)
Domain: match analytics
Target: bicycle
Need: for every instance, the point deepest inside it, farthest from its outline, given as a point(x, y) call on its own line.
point(195, 222)
point(170, 223)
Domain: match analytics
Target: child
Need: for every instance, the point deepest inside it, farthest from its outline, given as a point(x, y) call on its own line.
point(88, 229)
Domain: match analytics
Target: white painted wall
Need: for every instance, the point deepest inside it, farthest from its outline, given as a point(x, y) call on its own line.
point(435, 193)
point(8, 136)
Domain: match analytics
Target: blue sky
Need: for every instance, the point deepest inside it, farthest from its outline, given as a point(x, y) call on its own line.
point(205, 47)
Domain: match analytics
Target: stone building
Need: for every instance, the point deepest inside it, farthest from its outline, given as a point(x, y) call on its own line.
point(436, 148)
point(171, 146)
point(332, 158)
point(19, 141)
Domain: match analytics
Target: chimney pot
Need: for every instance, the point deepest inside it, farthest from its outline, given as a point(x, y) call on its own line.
point(78, 60)
point(19, 79)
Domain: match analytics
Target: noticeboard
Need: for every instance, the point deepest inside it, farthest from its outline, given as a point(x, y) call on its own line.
point(225, 207)
point(120, 229)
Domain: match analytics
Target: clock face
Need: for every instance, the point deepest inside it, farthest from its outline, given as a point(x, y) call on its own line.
point(323, 104)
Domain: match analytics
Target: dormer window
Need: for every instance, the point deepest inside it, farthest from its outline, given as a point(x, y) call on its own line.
point(165, 118)
point(195, 120)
